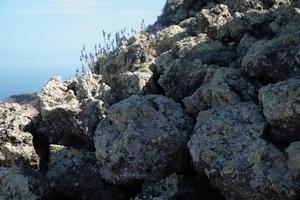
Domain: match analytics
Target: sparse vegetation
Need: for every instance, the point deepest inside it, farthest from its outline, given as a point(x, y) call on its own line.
point(109, 42)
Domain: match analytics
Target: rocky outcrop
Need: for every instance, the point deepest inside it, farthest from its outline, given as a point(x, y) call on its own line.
point(204, 104)
point(16, 144)
point(126, 70)
point(70, 117)
point(19, 162)
point(144, 135)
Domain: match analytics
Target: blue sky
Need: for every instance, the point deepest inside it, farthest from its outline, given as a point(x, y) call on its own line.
point(43, 38)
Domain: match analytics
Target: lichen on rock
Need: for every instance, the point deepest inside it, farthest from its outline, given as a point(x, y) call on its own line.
point(16, 144)
point(228, 147)
point(70, 117)
point(280, 104)
point(141, 138)
point(222, 86)
point(126, 69)
point(74, 174)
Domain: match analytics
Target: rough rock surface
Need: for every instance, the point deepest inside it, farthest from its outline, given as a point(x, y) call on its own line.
point(254, 22)
point(281, 108)
point(16, 144)
point(210, 21)
point(172, 187)
point(220, 87)
point(273, 60)
point(69, 119)
point(74, 174)
point(233, 63)
point(141, 138)
point(227, 145)
point(294, 158)
point(167, 38)
point(126, 69)
point(17, 184)
point(183, 68)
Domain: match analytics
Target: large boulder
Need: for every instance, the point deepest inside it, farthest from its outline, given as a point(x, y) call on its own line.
point(126, 69)
point(141, 138)
point(220, 87)
point(69, 119)
point(281, 108)
point(74, 174)
point(273, 60)
point(16, 144)
point(183, 69)
point(227, 146)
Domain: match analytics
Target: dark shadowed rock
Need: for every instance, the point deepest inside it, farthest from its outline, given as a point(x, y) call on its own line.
point(281, 108)
point(287, 20)
point(141, 138)
point(74, 174)
point(245, 44)
point(18, 184)
point(294, 158)
point(273, 60)
point(172, 187)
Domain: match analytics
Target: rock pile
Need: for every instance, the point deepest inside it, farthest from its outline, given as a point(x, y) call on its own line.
point(205, 104)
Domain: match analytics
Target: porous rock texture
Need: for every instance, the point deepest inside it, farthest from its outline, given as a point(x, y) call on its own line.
point(126, 69)
point(227, 146)
point(172, 187)
point(19, 162)
point(74, 174)
point(141, 138)
point(203, 104)
point(16, 144)
point(281, 108)
point(71, 110)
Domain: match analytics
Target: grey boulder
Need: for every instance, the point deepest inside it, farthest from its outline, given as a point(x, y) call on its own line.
point(142, 138)
point(281, 108)
point(227, 146)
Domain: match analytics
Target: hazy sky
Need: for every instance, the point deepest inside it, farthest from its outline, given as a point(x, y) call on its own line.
point(42, 38)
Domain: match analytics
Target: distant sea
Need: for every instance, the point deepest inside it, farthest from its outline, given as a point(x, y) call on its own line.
point(40, 39)
point(21, 80)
